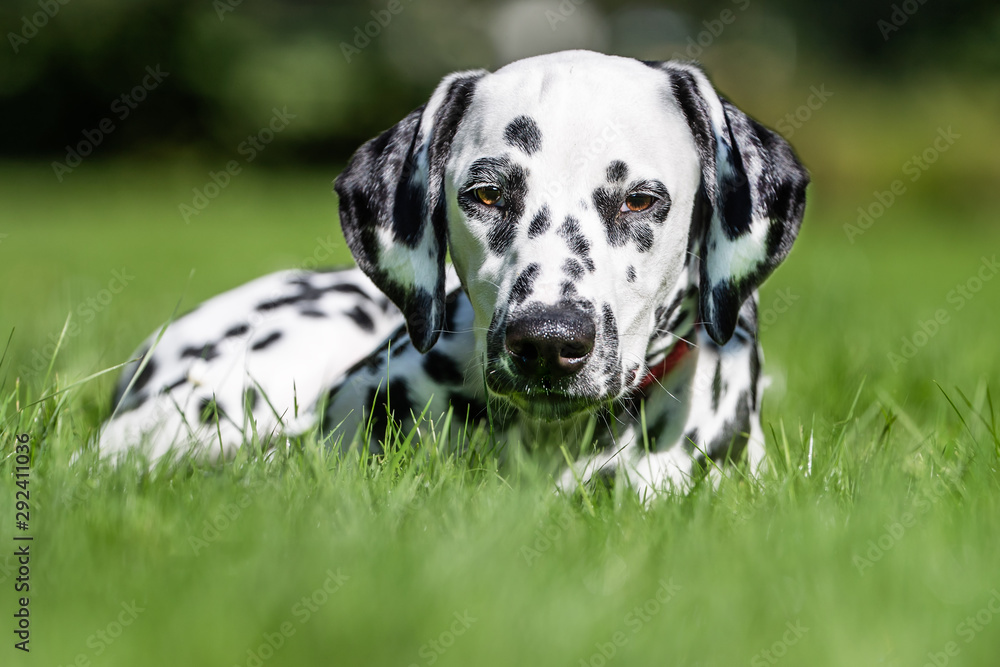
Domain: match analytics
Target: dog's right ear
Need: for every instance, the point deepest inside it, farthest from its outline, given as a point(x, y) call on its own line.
point(393, 211)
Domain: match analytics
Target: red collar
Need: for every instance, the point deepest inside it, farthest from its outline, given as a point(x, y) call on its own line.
point(669, 363)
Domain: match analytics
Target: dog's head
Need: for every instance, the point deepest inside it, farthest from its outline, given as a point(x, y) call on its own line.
point(573, 190)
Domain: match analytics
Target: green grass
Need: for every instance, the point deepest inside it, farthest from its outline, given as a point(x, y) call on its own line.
point(220, 557)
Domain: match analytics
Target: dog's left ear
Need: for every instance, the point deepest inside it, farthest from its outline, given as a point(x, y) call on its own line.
point(753, 189)
point(393, 210)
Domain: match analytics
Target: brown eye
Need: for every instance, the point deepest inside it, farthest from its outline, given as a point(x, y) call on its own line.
point(488, 194)
point(638, 201)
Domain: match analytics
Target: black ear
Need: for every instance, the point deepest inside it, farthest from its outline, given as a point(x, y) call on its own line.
point(753, 190)
point(393, 210)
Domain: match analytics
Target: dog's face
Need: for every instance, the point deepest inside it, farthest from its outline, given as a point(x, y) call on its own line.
point(573, 190)
point(570, 188)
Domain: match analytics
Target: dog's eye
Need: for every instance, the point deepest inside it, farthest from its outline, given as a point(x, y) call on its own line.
point(488, 194)
point(637, 201)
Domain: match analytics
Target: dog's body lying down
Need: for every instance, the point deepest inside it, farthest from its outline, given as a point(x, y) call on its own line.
point(608, 221)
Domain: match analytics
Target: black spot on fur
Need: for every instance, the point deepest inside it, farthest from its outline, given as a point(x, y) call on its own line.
point(717, 386)
point(144, 376)
point(419, 322)
point(238, 330)
point(397, 338)
point(617, 171)
point(733, 438)
point(466, 408)
point(167, 388)
point(577, 242)
point(630, 273)
point(748, 319)
point(378, 419)
point(395, 404)
point(660, 317)
point(664, 314)
point(500, 237)
point(613, 384)
point(266, 341)
point(540, 223)
point(347, 288)
point(690, 442)
point(309, 312)
point(206, 352)
point(726, 296)
point(607, 201)
point(683, 307)
point(573, 269)
point(524, 284)
point(523, 133)
point(278, 303)
point(568, 291)
point(400, 348)
point(737, 207)
point(643, 235)
point(209, 411)
point(135, 398)
point(135, 401)
point(442, 369)
point(609, 328)
point(361, 318)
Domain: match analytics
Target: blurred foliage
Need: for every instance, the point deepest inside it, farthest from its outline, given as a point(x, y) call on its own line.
point(339, 73)
point(231, 62)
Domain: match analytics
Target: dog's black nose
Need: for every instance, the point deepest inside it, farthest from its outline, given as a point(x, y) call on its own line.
point(550, 342)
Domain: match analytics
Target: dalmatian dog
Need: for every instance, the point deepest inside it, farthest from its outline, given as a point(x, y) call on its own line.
point(608, 220)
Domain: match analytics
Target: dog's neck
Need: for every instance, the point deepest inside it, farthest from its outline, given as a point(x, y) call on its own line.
point(658, 371)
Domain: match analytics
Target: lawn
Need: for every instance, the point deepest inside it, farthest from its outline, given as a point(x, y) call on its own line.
point(871, 540)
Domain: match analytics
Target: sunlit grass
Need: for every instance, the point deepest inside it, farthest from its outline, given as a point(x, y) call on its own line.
point(872, 534)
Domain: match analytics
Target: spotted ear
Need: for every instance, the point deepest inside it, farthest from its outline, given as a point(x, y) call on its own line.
point(753, 189)
point(393, 209)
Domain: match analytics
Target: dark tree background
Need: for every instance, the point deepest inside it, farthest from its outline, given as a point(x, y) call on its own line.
point(229, 63)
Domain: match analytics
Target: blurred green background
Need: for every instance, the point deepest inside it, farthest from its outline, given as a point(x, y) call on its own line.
point(348, 70)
